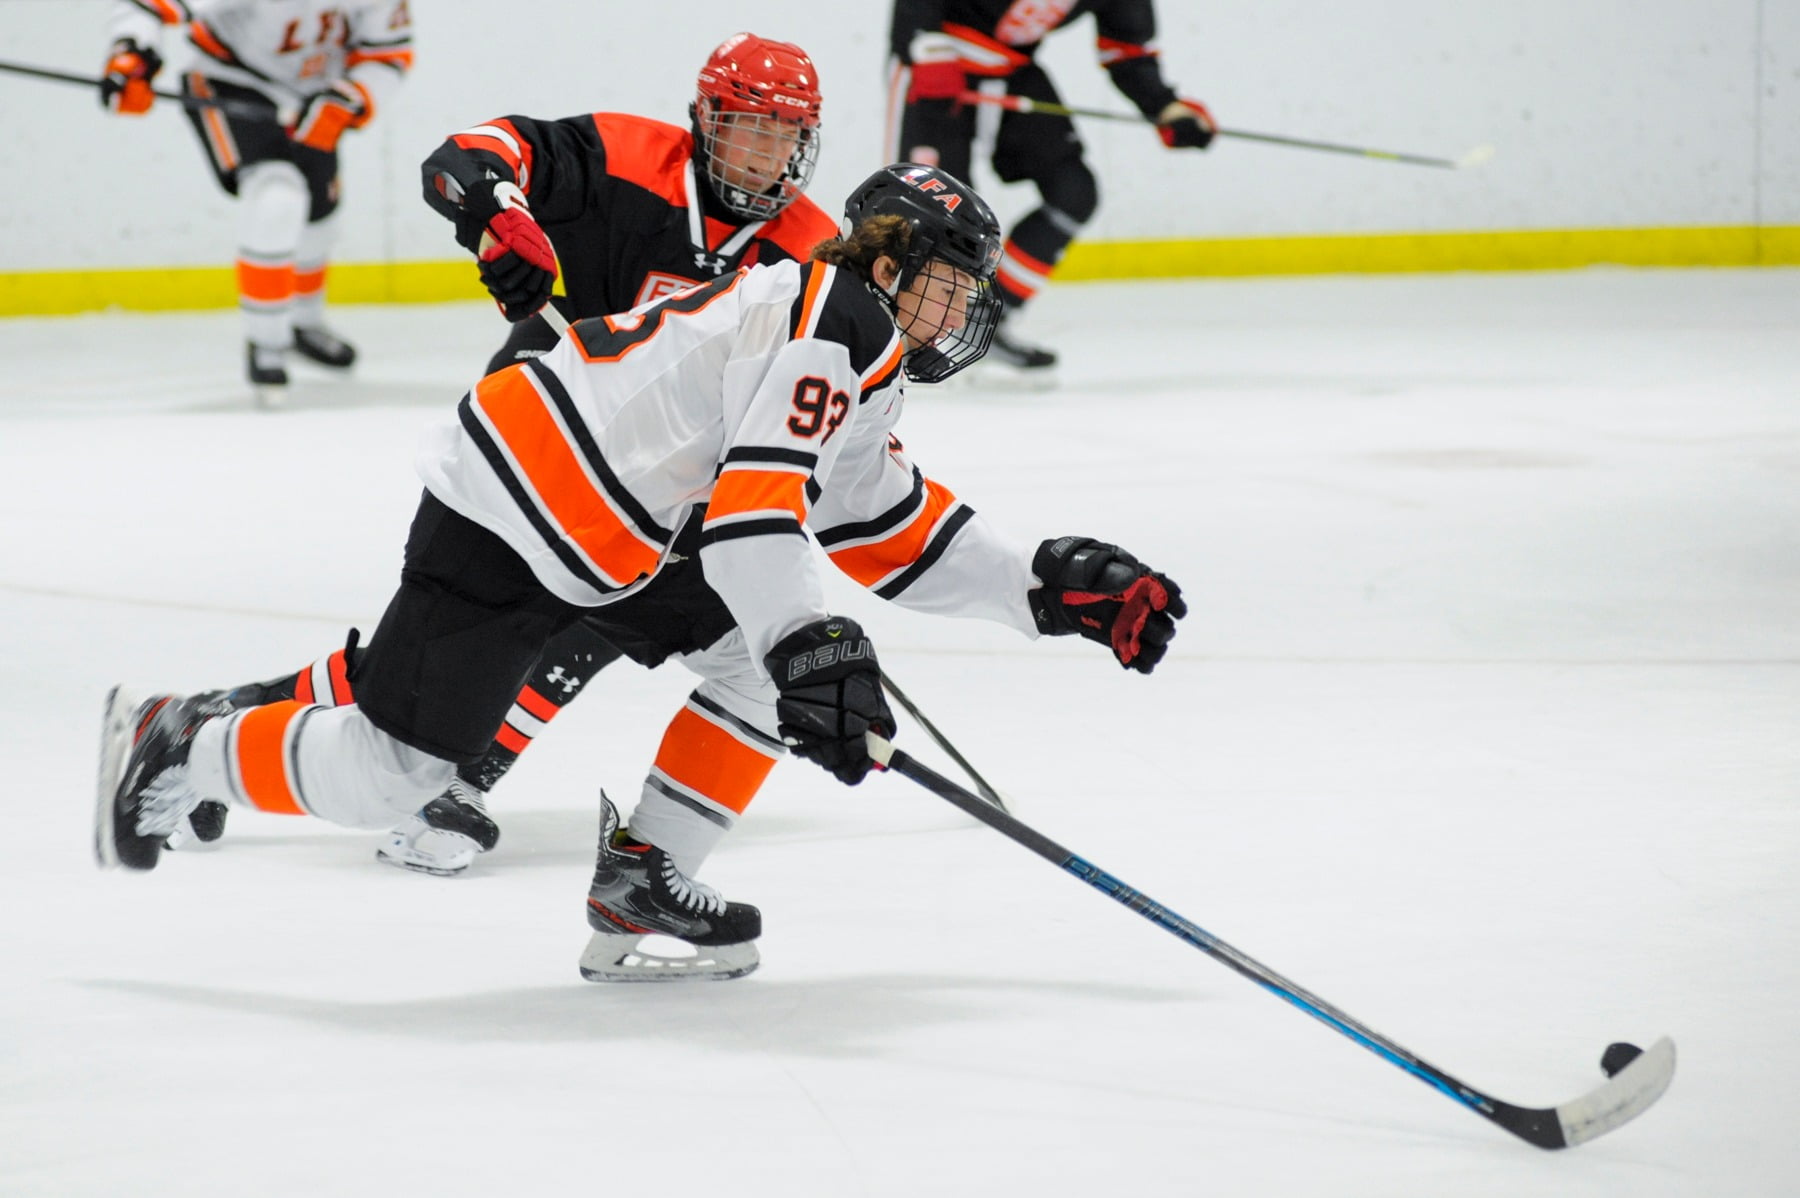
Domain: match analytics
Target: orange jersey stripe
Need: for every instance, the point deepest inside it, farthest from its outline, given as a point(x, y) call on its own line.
point(269, 284)
point(758, 491)
point(168, 12)
point(399, 56)
point(207, 41)
point(706, 759)
point(871, 563)
point(522, 419)
point(884, 370)
point(518, 155)
point(809, 307)
point(537, 705)
point(262, 757)
point(648, 153)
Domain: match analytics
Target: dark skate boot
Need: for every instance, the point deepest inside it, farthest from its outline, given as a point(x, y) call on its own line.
point(266, 368)
point(1008, 350)
point(143, 793)
point(637, 895)
point(318, 344)
point(205, 824)
point(444, 838)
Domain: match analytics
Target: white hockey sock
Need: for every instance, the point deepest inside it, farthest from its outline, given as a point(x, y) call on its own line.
point(272, 206)
point(316, 240)
point(294, 758)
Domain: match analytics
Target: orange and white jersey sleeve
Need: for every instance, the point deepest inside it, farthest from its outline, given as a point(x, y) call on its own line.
point(910, 540)
point(285, 49)
point(784, 442)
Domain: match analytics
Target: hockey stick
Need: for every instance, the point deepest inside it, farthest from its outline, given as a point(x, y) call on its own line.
point(237, 108)
point(981, 784)
point(1628, 1094)
point(1474, 157)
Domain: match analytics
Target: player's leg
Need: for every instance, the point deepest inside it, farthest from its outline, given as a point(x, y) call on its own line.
point(713, 759)
point(463, 629)
point(1047, 151)
point(936, 133)
point(312, 340)
point(444, 837)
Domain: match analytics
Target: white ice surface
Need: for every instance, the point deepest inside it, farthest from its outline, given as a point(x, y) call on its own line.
point(1485, 727)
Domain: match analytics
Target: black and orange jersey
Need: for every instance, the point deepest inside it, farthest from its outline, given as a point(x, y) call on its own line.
point(996, 37)
point(285, 50)
point(620, 200)
point(762, 403)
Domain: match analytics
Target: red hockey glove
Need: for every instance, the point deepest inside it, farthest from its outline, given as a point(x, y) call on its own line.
point(1106, 595)
point(1186, 123)
point(829, 686)
point(936, 81)
point(518, 266)
point(125, 88)
point(346, 104)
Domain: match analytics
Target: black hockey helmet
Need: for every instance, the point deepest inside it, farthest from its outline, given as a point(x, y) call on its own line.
point(952, 224)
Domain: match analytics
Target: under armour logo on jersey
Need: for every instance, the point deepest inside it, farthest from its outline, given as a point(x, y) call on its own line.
point(712, 262)
point(568, 682)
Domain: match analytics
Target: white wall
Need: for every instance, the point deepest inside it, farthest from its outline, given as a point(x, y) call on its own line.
point(1606, 113)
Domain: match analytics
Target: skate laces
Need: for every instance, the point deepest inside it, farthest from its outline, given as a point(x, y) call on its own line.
point(165, 801)
point(695, 896)
point(467, 795)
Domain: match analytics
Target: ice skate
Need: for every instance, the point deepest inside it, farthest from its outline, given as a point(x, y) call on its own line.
point(266, 368)
point(444, 838)
point(143, 792)
point(639, 899)
point(318, 344)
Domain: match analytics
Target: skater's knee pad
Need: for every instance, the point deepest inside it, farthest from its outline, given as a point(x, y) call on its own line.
point(272, 207)
point(352, 773)
point(1073, 191)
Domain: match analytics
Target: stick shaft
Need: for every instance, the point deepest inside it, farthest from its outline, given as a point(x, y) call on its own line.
point(1184, 929)
point(1045, 108)
point(233, 107)
point(943, 742)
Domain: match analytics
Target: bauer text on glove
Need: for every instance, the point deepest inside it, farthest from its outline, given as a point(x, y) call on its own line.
point(830, 695)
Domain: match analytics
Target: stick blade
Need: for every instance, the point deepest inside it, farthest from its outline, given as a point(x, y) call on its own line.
point(1629, 1093)
point(1475, 157)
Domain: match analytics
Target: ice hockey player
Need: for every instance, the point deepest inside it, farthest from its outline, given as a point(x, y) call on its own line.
point(943, 48)
point(317, 68)
point(760, 405)
point(634, 209)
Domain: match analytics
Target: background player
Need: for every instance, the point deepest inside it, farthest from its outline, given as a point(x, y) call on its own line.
point(317, 68)
point(560, 489)
point(633, 209)
point(942, 48)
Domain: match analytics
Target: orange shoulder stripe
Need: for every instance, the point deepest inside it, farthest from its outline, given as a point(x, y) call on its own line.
point(647, 153)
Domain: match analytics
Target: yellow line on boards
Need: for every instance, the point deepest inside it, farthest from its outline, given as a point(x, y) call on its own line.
point(60, 292)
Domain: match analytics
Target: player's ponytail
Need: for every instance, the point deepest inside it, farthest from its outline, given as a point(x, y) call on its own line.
point(885, 236)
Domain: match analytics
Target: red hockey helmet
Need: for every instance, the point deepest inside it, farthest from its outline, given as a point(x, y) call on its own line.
point(756, 123)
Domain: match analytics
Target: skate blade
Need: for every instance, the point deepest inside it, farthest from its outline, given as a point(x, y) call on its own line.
point(115, 746)
point(269, 397)
point(421, 867)
point(615, 958)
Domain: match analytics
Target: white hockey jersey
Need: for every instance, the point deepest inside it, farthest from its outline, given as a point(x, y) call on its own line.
point(770, 396)
point(285, 49)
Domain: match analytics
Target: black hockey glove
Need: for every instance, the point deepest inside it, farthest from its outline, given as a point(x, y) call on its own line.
point(518, 267)
point(1106, 595)
point(830, 686)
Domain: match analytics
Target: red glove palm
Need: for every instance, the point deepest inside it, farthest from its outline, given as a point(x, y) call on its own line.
point(518, 265)
point(1106, 595)
point(936, 81)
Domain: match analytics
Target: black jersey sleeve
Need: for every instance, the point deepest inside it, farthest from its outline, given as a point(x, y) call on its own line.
point(1126, 30)
point(911, 17)
point(550, 161)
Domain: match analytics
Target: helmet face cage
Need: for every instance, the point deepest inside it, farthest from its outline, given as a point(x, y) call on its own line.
point(756, 124)
point(950, 224)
